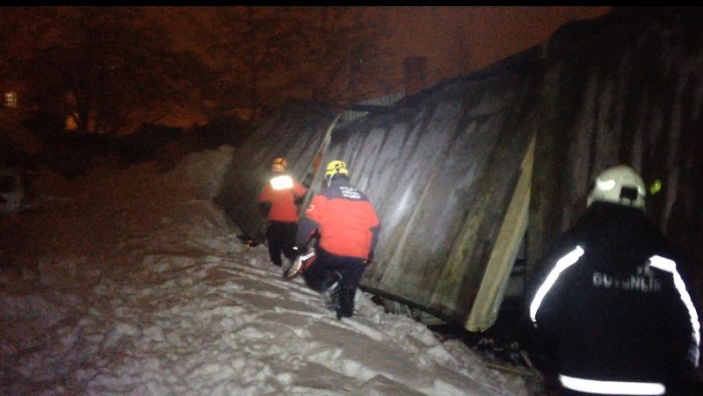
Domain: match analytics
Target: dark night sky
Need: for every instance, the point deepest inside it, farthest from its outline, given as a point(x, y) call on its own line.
point(487, 34)
point(456, 40)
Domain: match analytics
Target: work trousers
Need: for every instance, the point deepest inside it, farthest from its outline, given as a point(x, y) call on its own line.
point(322, 274)
point(280, 237)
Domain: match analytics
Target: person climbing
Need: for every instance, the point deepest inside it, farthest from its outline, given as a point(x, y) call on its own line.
point(336, 238)
point(278, 202)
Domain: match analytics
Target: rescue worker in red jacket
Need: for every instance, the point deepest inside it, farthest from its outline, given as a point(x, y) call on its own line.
point(611, 313)
point(278, 202)
point(337, 236)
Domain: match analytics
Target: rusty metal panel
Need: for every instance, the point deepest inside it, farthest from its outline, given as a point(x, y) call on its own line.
point(441, 171)
point(442, 166)
point(630, 93)
point(490, 296)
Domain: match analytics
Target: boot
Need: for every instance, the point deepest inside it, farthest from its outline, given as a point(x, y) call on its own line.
point(346, 302)
point(331, 294)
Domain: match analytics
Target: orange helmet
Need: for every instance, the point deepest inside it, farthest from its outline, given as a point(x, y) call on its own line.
point(279, 164)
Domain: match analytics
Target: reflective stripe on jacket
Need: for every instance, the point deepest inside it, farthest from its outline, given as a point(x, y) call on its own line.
point(282, 197)
point(612, 387)
point(617, 334)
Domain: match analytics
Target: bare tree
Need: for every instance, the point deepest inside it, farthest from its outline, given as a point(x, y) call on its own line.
point(122, 68)
point(119, 65)
point(272, 54)
point(22, 31)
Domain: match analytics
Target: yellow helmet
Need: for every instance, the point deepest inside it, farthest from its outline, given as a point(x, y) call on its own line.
point(279, 165)
point(336, 167)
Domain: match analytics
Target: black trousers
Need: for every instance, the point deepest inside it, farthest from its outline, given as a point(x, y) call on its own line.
point(321, 275)
point(280, 237)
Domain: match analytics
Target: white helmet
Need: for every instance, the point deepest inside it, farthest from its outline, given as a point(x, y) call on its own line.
point(619, 185)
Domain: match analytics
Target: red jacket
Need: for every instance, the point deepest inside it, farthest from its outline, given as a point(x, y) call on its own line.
point(281, 193)
point(344, 219)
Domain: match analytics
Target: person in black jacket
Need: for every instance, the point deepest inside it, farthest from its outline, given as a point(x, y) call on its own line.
point(611, 314)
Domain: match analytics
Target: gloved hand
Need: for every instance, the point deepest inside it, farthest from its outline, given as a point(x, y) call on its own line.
point(301, 262)
point(303, 251)
point(308, 257)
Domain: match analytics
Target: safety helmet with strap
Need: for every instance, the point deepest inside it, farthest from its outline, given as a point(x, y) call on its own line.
point(336, 167)
point(619, 185)
point(279, 165)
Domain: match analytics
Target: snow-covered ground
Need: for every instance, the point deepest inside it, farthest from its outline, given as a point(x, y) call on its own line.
point(132, 282)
